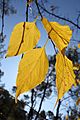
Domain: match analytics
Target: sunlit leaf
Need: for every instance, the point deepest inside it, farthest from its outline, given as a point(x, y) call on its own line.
point(24, 37)
point(78, 45)
point(33, 68)
point(65, 76)
point(60, 34)
point(76, 66)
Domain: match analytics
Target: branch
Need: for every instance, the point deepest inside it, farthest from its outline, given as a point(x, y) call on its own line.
point(62, 18)
point(2, 29)
point(22, 40)
point(41, 100)
point(37, 5)
point(30, 115)
point(43, 96)
point(66, 97)
point(57, 112)
point(27, 6)
point(53, 46)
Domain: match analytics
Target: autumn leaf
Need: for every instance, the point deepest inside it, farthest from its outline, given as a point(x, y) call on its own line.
point(65, 76)
point(33, 68)
point(76, 66)
point(24, 37)
point(59, 34)
point(78, 45)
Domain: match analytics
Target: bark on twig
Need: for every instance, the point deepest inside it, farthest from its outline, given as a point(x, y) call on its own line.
point(57, 111)
point(59, 17)
point(41, 100)
point(2, 29)
point(30, 115)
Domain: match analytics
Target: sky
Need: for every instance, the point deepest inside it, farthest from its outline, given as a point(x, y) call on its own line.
point(68, 8)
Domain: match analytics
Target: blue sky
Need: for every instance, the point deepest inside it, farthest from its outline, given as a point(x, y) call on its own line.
point(68, 8)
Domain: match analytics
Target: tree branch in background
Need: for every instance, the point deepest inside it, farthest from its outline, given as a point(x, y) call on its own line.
point(2, 28)
point(27, 7)
point(78, 18)
point(53, 46)
point(41, 100)
point(59, 17)
point(44, 92)
point(37, 5)
point(2, 20)
point(30, 114)
point(57, 112)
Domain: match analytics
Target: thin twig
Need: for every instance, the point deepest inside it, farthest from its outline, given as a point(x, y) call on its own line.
point(41, 100)
point(44, 92)
point(30, 115)
point(57, 16)
point(22, 40)
point(66, 98)
point(54, 46)
point(57, 111)
point(2, 30)
point(37, 5)
point(27, 8)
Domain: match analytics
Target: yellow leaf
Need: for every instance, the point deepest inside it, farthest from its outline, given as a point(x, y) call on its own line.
point(65, 76)
point(75, 68)
point(58, 33)
point(78, 45)
point(24, 37)
point(33, 68)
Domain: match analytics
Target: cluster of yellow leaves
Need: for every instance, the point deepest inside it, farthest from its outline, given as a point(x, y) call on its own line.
point(33, 67)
